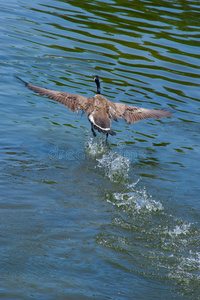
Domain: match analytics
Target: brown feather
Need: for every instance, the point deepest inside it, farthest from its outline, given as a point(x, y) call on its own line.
point(133, 114)
point(72, 101)
point(100, 108)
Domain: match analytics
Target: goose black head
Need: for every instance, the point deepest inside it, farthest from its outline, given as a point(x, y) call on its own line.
point(96, 79)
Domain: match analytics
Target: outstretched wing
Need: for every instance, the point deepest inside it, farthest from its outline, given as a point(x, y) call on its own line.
point(132, 114)
point(72, 101)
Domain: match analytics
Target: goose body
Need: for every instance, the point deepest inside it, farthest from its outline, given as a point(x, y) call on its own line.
point(99, 109)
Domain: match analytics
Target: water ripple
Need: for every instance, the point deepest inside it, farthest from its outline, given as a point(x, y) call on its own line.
point(130, 209)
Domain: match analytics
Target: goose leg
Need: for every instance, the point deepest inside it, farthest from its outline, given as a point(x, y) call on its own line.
point(106, 138)
point(92, 128)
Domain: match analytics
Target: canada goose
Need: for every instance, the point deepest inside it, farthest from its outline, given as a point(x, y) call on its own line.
point(99, 109)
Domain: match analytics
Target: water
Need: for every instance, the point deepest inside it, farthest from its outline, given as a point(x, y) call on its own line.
point(81, 219)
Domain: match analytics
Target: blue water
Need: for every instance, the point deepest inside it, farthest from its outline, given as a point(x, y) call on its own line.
point(80, 219)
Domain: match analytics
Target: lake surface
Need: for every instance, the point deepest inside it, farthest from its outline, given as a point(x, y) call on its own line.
point(80, 219)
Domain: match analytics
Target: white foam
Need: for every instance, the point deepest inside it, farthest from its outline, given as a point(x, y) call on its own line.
point(135, 201)
point(178, 230)
point(187, 269)
point(115, 166)
point(96, 147)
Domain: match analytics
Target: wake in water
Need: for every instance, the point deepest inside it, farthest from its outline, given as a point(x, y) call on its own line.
point(169, 243)
point(115, 167)
point(135, 201)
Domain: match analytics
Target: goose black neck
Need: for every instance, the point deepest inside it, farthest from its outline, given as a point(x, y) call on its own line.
point(98, 86)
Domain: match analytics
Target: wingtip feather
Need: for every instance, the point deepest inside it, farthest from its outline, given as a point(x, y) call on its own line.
point(17, 77)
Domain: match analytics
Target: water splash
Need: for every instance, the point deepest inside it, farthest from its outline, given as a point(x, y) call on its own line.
point(187, 268)
point(136, 201)
point(96, 147)
point(115, 166)
point(169, 242)
point(178, 230)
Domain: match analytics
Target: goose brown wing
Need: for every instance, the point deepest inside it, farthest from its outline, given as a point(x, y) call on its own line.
point(72, 101)
point(133, 114)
